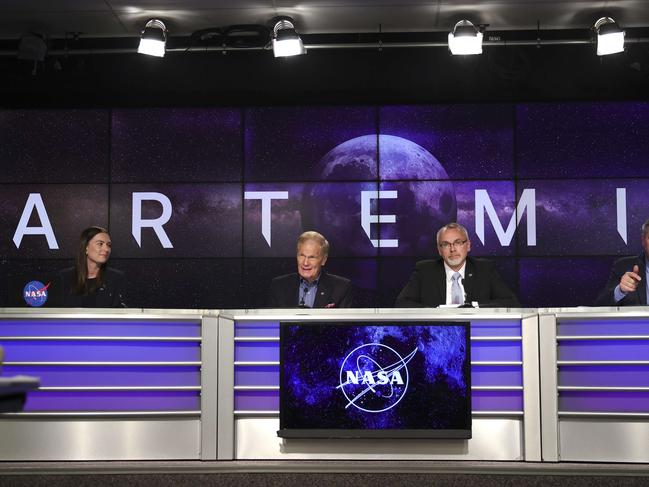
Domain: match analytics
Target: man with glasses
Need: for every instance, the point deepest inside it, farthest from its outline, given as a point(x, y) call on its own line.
point(455, 278)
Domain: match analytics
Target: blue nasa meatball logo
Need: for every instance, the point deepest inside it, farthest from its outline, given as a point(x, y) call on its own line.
point(35, 293)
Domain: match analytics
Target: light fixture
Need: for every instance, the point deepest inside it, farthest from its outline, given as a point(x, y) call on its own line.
point(610, 38)
point(465, 39)
point(286, 42)
point(153, 38)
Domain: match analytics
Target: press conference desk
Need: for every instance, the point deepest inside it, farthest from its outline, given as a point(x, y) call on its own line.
point(547, 385)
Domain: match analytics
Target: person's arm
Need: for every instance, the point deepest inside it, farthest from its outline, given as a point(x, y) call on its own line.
point(346, 301)
point(410, 295)
point(118, 293)
point(621, 288)
point(607, 296)
point(500, 296)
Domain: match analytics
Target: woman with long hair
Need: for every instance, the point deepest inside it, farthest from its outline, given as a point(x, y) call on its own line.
point(91, 283)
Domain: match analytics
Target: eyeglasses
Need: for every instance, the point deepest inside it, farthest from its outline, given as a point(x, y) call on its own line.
point(457, 243)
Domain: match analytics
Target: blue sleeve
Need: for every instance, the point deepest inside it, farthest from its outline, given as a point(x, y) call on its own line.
point(618, 294)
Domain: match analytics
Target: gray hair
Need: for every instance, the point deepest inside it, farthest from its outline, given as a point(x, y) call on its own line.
point(456, 226)
point(316, 237)
point(645, 228)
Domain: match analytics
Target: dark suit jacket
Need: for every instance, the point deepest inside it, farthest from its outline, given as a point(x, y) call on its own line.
point(427, 285)
point(639, 297)
point(284, 291)
point(109, 295)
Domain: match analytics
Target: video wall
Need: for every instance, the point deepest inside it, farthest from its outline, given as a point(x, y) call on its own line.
point(204, 205)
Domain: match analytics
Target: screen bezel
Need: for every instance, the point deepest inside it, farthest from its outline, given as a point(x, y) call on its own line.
point(335, 433)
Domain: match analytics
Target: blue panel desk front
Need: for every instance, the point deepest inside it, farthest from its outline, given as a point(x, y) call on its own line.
point(113, 385)
point(595, 378)
point(502, 343)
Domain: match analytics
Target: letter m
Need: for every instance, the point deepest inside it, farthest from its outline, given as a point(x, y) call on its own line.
point(484, 205)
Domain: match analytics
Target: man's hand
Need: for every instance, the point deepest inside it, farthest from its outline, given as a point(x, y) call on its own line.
point(629, 281)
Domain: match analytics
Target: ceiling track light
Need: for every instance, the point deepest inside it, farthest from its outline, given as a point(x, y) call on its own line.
point(466, 39)
point(286, 42)
point(153, 39)
point(610, 38)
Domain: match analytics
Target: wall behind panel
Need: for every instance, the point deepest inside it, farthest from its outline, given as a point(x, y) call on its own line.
point(555, 163)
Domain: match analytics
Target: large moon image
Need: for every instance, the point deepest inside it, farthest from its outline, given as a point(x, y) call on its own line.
point(425, 197)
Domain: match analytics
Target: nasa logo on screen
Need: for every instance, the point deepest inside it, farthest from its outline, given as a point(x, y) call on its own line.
point(35, 293)
point(374, 377)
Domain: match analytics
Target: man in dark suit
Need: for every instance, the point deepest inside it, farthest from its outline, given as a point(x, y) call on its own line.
point(627, 284)
point(311, 286)
point(455, 278)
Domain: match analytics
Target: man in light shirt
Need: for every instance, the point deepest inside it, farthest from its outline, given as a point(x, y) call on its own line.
point(454, 278)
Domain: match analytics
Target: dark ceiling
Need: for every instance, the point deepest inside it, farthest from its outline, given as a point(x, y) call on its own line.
point(120, 18)
point(565, 69)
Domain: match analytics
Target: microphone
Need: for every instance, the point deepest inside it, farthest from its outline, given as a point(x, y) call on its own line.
point(467, 299)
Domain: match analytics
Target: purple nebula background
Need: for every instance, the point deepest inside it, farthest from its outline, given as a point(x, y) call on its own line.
point(284, 144)
point(201, 145)
point(574, 281)
point(55, 146)
point(577, 140)
point(206, 283)
point(86, 164)
point(470, 141)
point(566, 212)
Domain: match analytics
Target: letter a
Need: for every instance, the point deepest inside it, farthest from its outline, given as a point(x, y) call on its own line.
point(35, 201)
point(396, 378)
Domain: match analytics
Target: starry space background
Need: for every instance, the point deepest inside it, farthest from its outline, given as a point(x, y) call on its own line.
point(86, 163)
point(437, 396)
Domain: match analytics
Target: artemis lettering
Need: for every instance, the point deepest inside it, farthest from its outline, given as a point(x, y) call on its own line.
point(484, 207)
